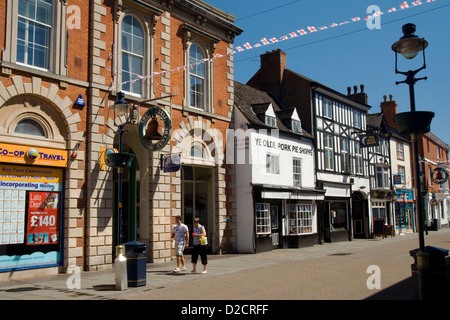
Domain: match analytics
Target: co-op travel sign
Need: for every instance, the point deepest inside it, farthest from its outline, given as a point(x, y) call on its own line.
point(11, 153)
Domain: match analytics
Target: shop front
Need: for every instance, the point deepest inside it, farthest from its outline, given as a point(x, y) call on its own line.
point(404, 212)
point(335, 222)
point(31, 207)
point(285, 218)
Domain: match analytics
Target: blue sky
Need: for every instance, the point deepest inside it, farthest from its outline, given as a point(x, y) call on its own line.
point(351, 54)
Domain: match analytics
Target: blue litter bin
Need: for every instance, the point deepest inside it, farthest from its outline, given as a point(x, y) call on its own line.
point(136, 263)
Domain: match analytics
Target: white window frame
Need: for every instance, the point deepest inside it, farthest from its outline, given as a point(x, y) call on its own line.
point(194, 65)
point(402, 173)
point(358, 159)
point(297, 172)
point(262, 215)
point(357, 119)
point(328, 151)
point(377, 206)
point(400, 150)
point(270, 121)
point(272, 163)
point(28, 44)
point(296, 126)
point(301, 219)
point(131, 54)
point(327, 107)
point(58, 39)
point(382, 177)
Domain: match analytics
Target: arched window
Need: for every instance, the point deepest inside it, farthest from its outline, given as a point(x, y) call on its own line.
point(197, 77)
point(197, 151)
point(132, 54)
point(34, 27)
point(31, 127)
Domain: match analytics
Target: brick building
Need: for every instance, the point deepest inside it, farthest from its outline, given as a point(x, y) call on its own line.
point(62, 65)
point(434, 154)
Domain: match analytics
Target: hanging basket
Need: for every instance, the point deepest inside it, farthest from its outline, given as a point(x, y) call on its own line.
point(414, 122)
point(121, 159)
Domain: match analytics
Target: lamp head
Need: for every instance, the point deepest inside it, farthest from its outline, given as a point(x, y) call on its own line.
point(409, 45)
point(120, 106)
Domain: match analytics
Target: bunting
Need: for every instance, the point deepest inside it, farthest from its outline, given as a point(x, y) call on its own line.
point(291, 35)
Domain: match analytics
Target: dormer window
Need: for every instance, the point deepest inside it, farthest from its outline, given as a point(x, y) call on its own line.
point(270, 121)
point(296, 126)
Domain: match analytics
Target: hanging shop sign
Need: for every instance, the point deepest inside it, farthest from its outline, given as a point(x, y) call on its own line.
point(439, 175)
point(152, 138)
point(369, 140)
point(21, 154)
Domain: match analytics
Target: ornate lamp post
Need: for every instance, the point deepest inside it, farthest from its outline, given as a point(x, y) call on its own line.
point(414, 123)
point(148, 132)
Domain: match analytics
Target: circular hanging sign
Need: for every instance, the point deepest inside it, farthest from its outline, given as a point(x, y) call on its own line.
point(153, 138)
point(441, 176)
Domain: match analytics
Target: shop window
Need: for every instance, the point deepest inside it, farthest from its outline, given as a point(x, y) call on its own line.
point(379, 210)
point(31, 127)
point(263, 223)
point(338, 216)
point(301, 219)
point(30, 217)
point(132, 54)
point(400, 214)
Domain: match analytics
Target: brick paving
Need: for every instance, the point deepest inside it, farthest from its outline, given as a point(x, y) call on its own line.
point(332, 271)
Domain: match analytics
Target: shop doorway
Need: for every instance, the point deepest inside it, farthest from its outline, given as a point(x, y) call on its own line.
point(197, 199)
point(410, 221)
point(360, 216)
point(276, 225)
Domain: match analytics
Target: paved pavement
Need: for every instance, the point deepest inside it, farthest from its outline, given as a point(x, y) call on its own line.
point(332, 271)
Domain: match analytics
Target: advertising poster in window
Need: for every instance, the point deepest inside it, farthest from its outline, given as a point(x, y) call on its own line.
point(42, 224)
point(31, 208)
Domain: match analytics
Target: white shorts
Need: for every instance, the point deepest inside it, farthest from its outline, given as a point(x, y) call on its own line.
point(179, 247)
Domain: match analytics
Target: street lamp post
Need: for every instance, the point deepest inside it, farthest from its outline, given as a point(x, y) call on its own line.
point(414, 123)
point(121, 108)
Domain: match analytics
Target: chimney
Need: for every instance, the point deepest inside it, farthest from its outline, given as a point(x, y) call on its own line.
point(270, 76)
point(389, 109)
point(359, 97)
point(274, 62)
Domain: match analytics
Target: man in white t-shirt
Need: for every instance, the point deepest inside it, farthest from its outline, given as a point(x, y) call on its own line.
point(180, 233)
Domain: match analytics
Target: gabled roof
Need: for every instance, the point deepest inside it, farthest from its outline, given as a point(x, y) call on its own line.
point(378, 121)
point(252, 102)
